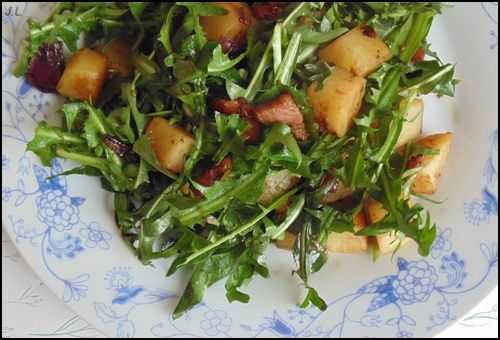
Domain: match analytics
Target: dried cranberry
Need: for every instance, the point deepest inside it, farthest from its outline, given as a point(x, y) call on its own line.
point(369, 31)
point(117, 146)
point(46, 67)
point(419, 56)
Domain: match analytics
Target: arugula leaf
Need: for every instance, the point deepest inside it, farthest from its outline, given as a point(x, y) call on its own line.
point(221, 62)
point(205, 273)
point(46, 140)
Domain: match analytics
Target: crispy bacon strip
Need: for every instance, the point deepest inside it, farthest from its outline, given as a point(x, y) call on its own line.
point(268, 10)
point(241, 107)
point(215, 173)
point(283, 110)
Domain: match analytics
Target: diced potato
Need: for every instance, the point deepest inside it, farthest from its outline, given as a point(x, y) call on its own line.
point(84, 75)
point(339, 101)
point(230, 29)
point(347, 242)
point(119, 56)
point(359, 51)
point(170, 143)
point(276, 184)
point(387, 242)
point(427, 179)
point(288, 242)
point(412, 127)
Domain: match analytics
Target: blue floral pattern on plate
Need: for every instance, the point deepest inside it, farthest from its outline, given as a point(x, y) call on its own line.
point(61, 236)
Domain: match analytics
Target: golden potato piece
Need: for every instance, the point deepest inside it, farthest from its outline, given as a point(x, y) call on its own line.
point(412, 127)
point(387, 242)
point(427, 179)
point(170, 143)
point(229, 30)
point(359, 51)
point(276, 184)
point(347, 242)
point(288, 242)
point(84, 75)
point(339, 101)
point(119, 56)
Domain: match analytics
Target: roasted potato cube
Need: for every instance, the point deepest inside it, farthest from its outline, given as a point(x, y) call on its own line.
point(84, 75)
point(229, 30)
point(288, 242)
point(276, 184)
point(338, 101)
point(119, 56)
point(347, 242)
point(170, 143)
point(427, 179)
point(387, 242)
point(412, 127)
point(359, 51)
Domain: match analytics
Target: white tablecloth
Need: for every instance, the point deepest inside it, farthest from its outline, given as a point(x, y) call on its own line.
point(29, 309)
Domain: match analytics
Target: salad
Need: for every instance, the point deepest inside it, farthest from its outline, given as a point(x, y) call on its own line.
point(224, 128)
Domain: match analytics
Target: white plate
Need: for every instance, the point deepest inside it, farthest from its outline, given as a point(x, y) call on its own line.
point(81, 257)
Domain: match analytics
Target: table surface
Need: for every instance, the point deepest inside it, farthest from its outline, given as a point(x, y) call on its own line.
point(30, 309)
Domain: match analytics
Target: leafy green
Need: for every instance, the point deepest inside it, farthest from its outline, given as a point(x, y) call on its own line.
point(221, 231)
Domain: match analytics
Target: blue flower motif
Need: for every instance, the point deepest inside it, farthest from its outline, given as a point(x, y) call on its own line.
point(5, 162)
point(95, 237)
point(476, 212)
point(215, 322)
point(415, 281)
point(57, 210)
point(75, 289)
point(68, 247)
point(404, 335)
point(442, 244)
point(6, 194)
point(278, 326)
point(118, 278)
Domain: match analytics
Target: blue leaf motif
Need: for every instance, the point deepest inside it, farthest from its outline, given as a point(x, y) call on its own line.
point(371, 321)
point(392, 322)
point(77, 201)
point(125, 294)
point(24, 88)
point(153, 296)
point(381, 300)
point(75, 288)
point(408, 320)
point(490, 202)
point(20, 185)
point(381, 285)
point(125, 329)
point(105, 313)
point(20, 200)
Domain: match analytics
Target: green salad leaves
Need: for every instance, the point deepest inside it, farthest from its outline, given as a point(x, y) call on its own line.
point(221, 231)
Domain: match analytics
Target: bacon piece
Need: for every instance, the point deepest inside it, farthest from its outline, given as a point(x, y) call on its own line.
point(240, 107)
point(215, 173)
point(419, 56)
point(283, 110)
point(415, 161)
point(268, 11)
